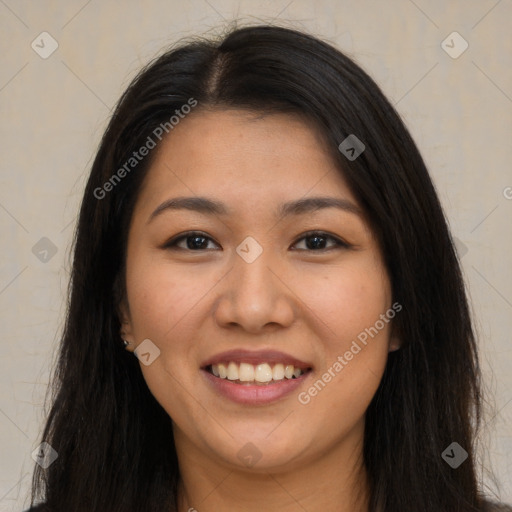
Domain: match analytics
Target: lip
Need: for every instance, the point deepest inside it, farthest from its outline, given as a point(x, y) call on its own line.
point(255, 357)
point(253, 394)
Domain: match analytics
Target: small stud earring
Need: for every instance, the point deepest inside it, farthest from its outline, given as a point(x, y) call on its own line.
point(125, 343)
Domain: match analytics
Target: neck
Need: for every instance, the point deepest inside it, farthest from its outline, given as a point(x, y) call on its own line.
point(334, 482)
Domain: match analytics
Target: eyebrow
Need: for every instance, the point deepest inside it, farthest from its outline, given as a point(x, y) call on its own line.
point(209, 206)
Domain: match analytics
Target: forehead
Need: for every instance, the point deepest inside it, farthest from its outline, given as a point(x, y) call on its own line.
point(244, 157)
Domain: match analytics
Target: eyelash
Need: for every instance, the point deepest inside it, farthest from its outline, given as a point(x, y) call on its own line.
point(339, 244)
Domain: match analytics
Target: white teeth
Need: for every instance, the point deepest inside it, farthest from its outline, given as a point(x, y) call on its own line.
point(278, 372)
point(223, 372)
point(288, 371)
point(262, 373)
point(246, 372)
point(232, 371)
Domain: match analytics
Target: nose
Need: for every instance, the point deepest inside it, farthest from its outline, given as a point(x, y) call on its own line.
point(255, 296)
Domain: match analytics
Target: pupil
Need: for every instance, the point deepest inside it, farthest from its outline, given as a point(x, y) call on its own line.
point(315, 245)
point(193, 245)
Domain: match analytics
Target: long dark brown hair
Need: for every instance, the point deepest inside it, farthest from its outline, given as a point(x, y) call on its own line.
point(114, 441)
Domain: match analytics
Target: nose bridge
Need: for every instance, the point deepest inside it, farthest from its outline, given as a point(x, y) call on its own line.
point(255, 296)
point(252, 270)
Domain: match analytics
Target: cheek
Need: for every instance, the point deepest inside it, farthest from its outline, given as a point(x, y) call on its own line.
point(346, 300)
point(162, 301)
point(161, 296)
point(354, 339)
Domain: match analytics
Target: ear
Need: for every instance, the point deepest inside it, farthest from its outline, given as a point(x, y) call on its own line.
point(395, 338)
point(394, 343)
point(123, 311)
point(126, 331)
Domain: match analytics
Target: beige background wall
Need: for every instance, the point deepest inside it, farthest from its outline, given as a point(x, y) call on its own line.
point(54, 110)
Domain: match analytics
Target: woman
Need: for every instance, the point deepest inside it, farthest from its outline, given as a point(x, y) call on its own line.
point(259, 230)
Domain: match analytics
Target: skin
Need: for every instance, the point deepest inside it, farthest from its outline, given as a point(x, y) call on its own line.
point(308, 302)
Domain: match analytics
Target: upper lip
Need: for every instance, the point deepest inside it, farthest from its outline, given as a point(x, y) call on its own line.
point(255, 357)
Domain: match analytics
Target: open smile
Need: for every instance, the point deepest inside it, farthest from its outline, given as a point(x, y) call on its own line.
point(255, 378)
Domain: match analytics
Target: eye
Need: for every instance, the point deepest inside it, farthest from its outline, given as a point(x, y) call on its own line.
point(193, 240)
point(318, 241)
point(197, 241)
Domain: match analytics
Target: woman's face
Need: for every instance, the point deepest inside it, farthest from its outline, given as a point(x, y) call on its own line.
point(252, 291)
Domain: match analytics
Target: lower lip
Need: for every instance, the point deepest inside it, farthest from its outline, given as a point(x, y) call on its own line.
point(252, 394)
